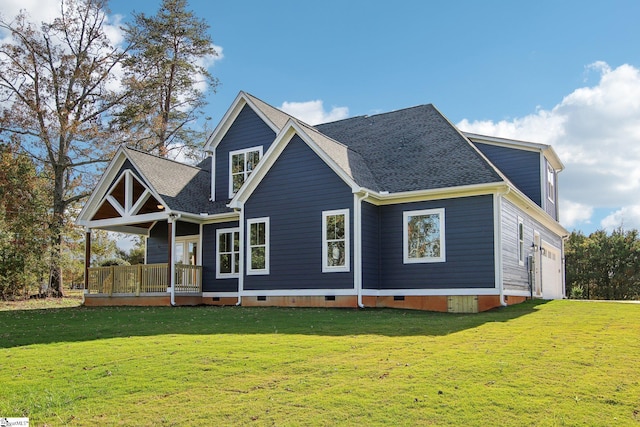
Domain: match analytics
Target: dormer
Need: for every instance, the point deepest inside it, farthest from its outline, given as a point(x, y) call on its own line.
point(238, 143)
point(533, 168)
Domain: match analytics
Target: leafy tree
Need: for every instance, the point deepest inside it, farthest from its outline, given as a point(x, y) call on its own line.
point(23, 230)
point(166, 71)
point(604, 266)
point(56, 84)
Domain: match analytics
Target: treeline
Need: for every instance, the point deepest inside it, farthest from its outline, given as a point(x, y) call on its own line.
point(603, 266)
point(73, 89)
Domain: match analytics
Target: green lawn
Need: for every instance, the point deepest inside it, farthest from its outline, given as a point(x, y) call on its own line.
point(542, 364)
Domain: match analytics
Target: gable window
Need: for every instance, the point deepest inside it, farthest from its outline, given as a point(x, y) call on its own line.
point(520, 241)
point(241, 164)
point(258, 246)
point(424, 236)
point(551, 183)
point(227, 253)
point(335, 240)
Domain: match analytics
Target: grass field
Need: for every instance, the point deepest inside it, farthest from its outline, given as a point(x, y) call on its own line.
point(542, 364)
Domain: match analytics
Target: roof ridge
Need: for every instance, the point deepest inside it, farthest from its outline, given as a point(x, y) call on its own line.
point(137, 150)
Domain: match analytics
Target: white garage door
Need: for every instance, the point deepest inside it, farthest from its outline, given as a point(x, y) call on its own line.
point(551, 272)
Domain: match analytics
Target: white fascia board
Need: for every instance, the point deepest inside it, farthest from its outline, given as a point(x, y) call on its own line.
point(270, 157)
point(547, 150)
point(131, 220)
point(429, 292)
point(208, 218)
point(379, 199)
point(230, 116)
point(516, 197)
point(99, 191)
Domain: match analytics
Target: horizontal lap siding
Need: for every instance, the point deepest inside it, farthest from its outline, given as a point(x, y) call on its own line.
point(469, 243)
point(520, 166)
point(209, 260)
point(248, 130)
point(158, 238)
point(293, 195)
point(370, 246)
point(514, 275)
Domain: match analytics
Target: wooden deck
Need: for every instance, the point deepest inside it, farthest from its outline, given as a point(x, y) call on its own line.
point(143, 279)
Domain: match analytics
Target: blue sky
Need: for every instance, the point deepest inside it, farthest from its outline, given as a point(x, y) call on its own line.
point(566, 73)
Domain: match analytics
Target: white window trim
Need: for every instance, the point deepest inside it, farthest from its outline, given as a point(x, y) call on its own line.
point(234, 153)
point(520, 241)
point(265, 270)
point(405, 232)
point(220, 275)
point(551, 183)
point(185, 240)
point(326, 268)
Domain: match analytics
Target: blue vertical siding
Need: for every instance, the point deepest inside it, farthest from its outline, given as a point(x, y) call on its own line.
point(469, 242)
point(520, 166)
point(293, 195)
point(248, 130)
point(370, 246)
point(209, 260)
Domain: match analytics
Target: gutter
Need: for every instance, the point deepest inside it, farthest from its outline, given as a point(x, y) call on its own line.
point(173, 217)
point(500, 196)
point(358, 246)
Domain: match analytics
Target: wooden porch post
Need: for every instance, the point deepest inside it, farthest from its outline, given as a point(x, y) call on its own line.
point(87, 258)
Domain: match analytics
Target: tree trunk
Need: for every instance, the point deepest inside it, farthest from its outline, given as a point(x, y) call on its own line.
point(56, 283)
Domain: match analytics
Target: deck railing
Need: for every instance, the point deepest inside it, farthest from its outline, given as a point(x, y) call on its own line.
point(143, 278)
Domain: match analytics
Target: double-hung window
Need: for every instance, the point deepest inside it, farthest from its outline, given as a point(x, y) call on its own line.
point(424, 236)
point(228, 253)
point(241, 164)
point(258, 246)
point(551, 183)
point(335, 241)
point(520, 241)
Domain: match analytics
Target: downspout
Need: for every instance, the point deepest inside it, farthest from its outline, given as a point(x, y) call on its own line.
point(173, 218)
point(242, 254)
point(358, 245)
point(501, 195)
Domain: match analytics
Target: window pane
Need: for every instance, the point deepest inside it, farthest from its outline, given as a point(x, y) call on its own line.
point(237, 163)
point(236, 263)
point(225, 263)
point(178, 255)
point(335, 254)
point(222, 242)
point(252, 160)
point(238, 180)
point(236, 241)
point(339, 227)
point(257, 258)
point(423, 236)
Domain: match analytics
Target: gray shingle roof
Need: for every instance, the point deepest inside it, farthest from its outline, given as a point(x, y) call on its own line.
point(412, 149)
point(183, 187)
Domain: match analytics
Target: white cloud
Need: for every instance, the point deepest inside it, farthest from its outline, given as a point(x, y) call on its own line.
point(628, 218)
point(313, 112)
point(38, 10)
point(575, 213)
point(596, 132)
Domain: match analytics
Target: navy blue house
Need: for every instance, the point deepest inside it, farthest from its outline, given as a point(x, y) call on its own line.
point(398, 209)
